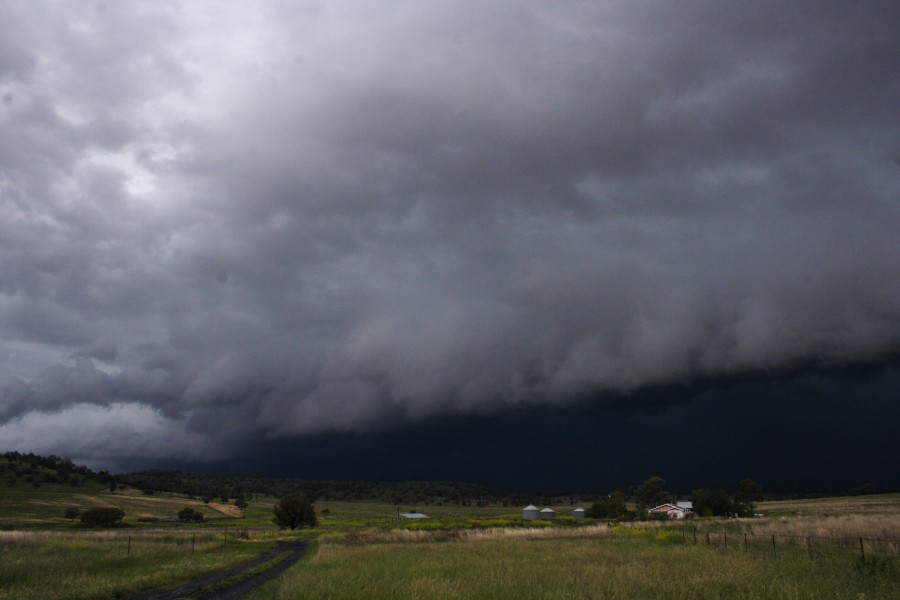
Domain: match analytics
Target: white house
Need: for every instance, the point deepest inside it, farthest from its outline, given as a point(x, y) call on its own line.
point(669, 510)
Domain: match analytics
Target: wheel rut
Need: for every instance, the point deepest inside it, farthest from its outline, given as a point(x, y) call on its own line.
point(200, 589)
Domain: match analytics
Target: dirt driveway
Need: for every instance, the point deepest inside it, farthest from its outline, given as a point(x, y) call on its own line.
point(199, 589)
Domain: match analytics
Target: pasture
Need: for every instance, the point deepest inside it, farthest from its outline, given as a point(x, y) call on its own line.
point(644, 561)
point(57, 565)
point(363, 551)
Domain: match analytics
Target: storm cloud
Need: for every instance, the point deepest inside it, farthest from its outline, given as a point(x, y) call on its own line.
point(226, 223)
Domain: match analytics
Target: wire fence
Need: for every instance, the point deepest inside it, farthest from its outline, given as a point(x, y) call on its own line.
point(813, 546)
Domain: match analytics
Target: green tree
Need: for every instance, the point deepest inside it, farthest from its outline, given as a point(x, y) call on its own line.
point(611, 507)
point(102, 516)
point(294, 511)
point(186, 514)
point(241, 503)
point(651, 493)
point(748, 492)
point(711, 502)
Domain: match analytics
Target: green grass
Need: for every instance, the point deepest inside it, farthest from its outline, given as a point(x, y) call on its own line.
point(461, 552)
point(25, 506)
point(622, 564)
point(63, 566)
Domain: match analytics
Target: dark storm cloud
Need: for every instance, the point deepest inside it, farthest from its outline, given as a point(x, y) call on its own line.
point(305, 217)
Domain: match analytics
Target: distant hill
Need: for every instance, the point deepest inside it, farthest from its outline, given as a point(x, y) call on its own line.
point(225, 487)
point(36, 470)
point(32, 470)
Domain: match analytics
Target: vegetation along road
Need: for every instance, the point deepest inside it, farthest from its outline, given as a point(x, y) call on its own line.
point(234, 583)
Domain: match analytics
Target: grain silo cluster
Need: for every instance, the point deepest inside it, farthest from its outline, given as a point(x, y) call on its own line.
point(533, 512)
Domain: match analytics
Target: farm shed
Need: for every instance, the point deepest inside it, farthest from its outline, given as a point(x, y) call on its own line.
point(548, 513)
point(531, 512)
point(579, 513)
point(686, 505)
point(413, 515)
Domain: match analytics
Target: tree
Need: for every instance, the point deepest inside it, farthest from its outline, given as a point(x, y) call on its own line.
point(748, 492)
point(651, 493)
point(294, 511)
point(611, 507)
point(710, 502)
point(102, 516)
point(72, 512)
point(241, 503)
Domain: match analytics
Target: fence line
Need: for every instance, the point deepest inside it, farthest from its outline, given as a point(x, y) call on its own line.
point(810, 542)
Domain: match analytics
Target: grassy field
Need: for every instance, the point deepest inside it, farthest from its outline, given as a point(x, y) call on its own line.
point(364, 551)
point(587, 563)
point(871, 504)
point(24, 506)
point(54, 565)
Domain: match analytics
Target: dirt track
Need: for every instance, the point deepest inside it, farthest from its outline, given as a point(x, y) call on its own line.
point(199, 588)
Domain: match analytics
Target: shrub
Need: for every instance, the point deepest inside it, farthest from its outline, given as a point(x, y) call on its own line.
point(102, 516)
point(189, 514)
point(294, 511)
point(72, 512)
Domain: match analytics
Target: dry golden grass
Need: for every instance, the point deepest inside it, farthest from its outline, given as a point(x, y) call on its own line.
point(872, 504)
point(496, 533)
point(881, 530)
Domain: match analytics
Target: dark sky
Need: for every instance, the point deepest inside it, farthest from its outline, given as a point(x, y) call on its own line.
point(431, 239)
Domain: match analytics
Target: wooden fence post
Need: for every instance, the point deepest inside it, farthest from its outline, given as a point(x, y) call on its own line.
point(128, 552)
point(745, 542)
point(862, 551)
point(774, 551)
point(695, 536)
point(725, 536)
point(193, 542)
point(707, 538)
point(809, 548)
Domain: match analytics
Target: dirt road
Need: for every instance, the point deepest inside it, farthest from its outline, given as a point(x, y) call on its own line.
point(199, 589)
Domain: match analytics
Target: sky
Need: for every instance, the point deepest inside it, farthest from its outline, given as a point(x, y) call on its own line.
point(532, 244)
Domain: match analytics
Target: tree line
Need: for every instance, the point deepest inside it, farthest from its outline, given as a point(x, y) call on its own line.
point(707, 502)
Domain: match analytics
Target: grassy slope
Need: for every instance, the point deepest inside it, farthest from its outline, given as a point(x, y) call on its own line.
point(875, 503)
point(22, 505)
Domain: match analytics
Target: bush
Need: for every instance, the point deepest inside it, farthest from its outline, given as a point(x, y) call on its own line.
point(72, 512)
point(102, 516)
point(294, 511)
point(189, 514)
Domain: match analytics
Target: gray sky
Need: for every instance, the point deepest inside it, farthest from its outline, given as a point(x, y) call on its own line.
point(231, 221)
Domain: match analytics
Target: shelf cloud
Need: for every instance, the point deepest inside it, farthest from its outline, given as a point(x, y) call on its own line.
point(225, 223)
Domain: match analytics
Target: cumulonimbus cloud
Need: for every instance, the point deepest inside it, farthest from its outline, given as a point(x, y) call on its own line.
point(290, 219)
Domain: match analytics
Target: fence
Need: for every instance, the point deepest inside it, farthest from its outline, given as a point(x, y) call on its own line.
point(128, 542)
point(814, 546)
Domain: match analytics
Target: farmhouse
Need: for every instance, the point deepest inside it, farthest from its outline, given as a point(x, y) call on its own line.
point(669, 510)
